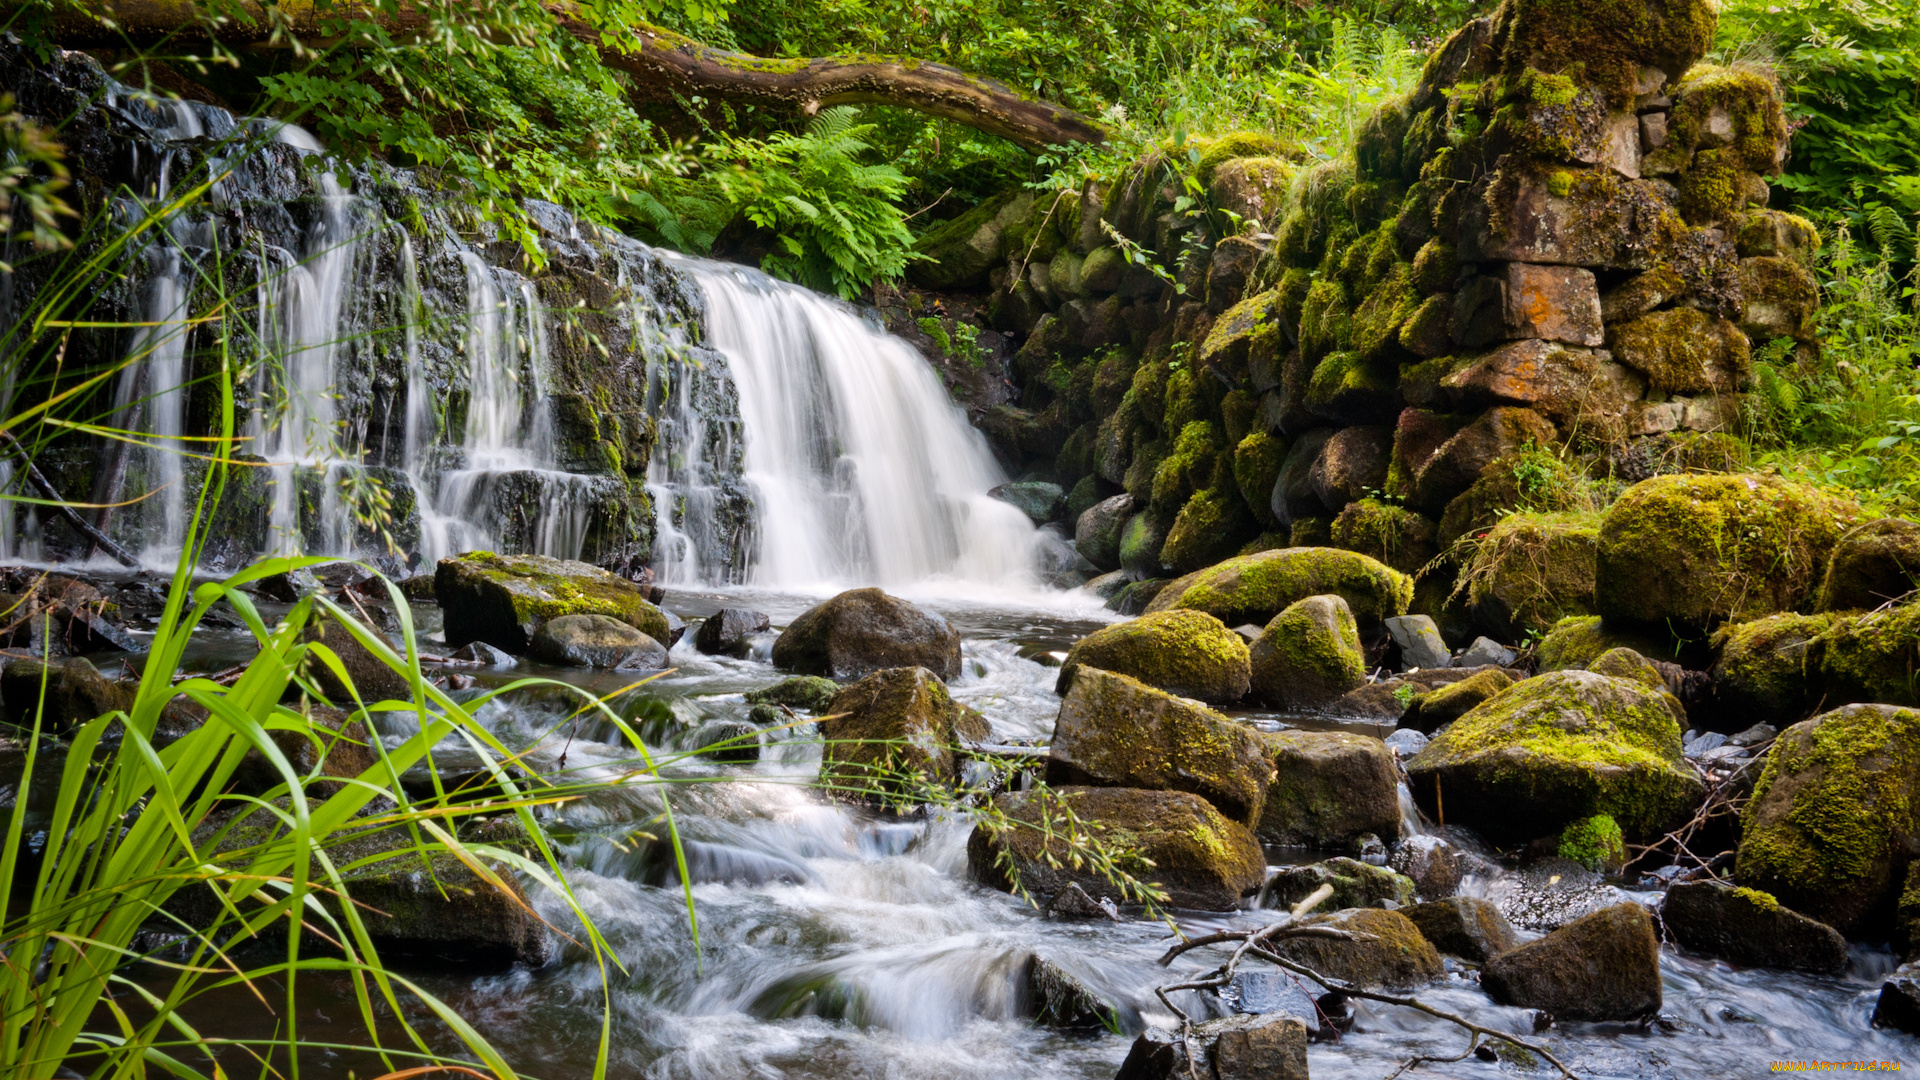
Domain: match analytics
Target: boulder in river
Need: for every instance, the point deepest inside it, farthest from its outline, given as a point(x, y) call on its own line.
point(729, 631)
point(1116, 731)
point(1871, 565)
point(1831, 827)
point(1255, 588)
point(1189, 653)
point(1899, 1004)
point(809, 692)
point(1435, 709)
point(1435, 865)
point(1039, 500)
point(895, 730)
point(1056, 998)
point(333, 745)
point(1203, 860)
point(1603, 966)
point(1750, 927)
point(1097, 533)
point(1329, 788)
point(1385, 951)
point(865, 630)
point(1694, 550)
point(1247, 1047)
point(1421, 645)
point(1355, 884)
point(596, 641)
point(1463, 926)
point(503, 600)
point(1309, 655)
point(370, 677)
point(1556, 748)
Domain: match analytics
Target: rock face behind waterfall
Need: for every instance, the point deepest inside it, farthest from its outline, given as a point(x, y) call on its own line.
point(865, 630)
point(598, 344)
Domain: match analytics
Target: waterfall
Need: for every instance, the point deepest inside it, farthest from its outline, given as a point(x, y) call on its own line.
point(863, 471)
point(300, 436)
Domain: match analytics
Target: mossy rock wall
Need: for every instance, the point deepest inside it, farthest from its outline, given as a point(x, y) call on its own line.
point(1554, 241)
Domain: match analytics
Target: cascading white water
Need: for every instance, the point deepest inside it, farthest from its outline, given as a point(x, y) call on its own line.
point(302, 342)
point(863, 471)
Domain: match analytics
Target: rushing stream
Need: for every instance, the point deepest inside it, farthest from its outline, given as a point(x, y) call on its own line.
point(835, 943)
point(800, 450)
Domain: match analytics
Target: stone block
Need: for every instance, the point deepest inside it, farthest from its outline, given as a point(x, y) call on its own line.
point(1556, 303)
point(1560, 381)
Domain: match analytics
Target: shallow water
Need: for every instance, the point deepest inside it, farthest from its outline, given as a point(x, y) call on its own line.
point(835, 943)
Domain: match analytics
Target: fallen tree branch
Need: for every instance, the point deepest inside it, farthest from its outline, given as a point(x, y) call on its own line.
point(1255, 944)
point(662, 63)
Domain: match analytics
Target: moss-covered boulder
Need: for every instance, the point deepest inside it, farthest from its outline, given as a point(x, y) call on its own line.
point(1385, 950)
point(1767, 670)
point(1308, 655)
point(1435, 709)
point(1464, 926)
point(1603, 966)
point(1873, 564)
point(1203, 860)
point(1750, 928)
point(1185, 652)
point(1557, 748)
point(1831, 827)
point(1532, 570)
point(864, 630)
point(1395, 535)
point(1116, 731)
point(958, 253)
point(1329, 789)
point(503, 599)
point(1578, 640)
point(1210, 527)
point(1873, 657)
point(1255, 588)
point(810, 692)
point(1595, 843)
point(888, 735)
point(1140, 544)
point(1693, 551)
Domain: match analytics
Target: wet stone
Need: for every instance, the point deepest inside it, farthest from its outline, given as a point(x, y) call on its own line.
point(596, 641)
point(1604, 966)
point(1751, 928)
point(1271, 1047)
point(1463, 926)
point(729, 631)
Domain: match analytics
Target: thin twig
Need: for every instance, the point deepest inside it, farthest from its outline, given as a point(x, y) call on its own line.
point(100, 540)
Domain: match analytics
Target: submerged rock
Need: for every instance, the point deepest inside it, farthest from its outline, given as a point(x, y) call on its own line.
point(596, 641)
point(62, 694)
point(1329, 788)
point(1556, 748)
point(1899, 1004)
point(1750, 927)
point(729, 630)
point(1463, 926)
point(1309, 655)
point(503, 600)
point(1604, 966)
point(1255, 588)
point(1831, 829)
point(895, 730)
point(1203, 860)
point(865, 630)
point(810, 692)
point(1189, 653)
point(1116, 731)
point(1055, 998)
